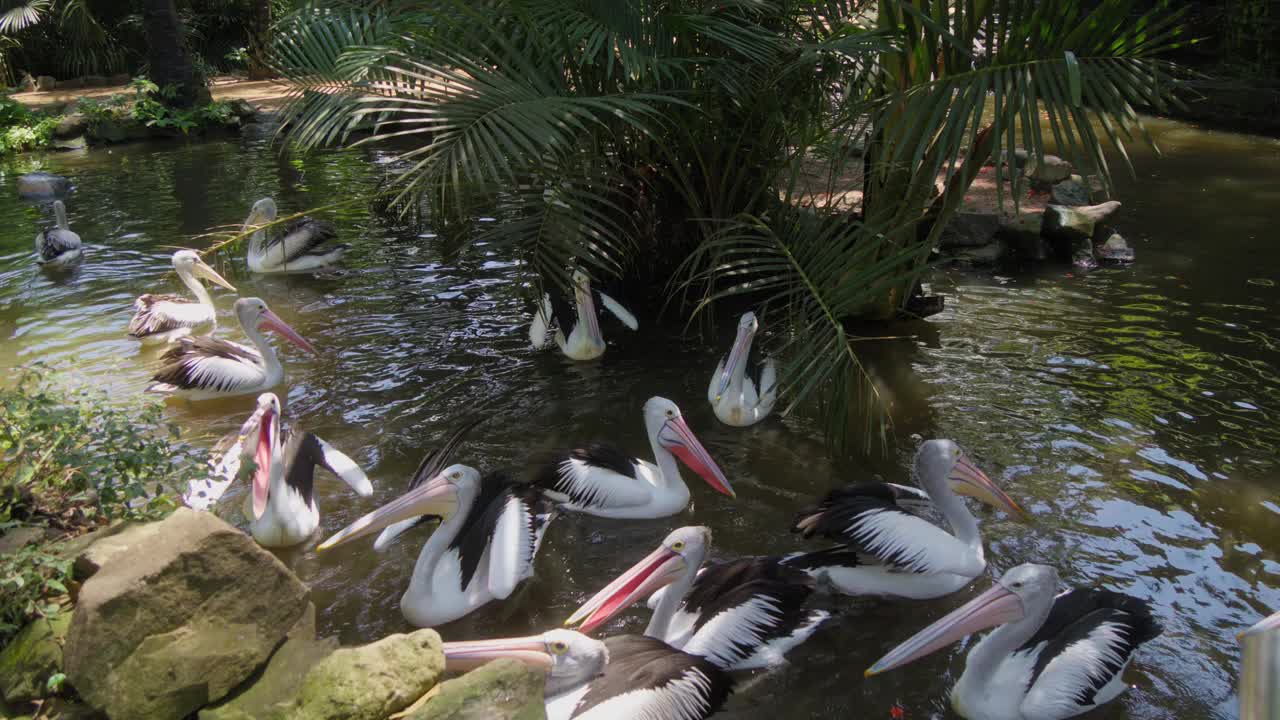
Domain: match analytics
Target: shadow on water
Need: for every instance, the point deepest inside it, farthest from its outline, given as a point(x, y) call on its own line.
point(1132, 410)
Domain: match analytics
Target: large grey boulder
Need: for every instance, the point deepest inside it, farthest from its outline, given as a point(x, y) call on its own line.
point(71, 126)
point(969, 229)
point(500, 690)
point(35, 654)
point(372, 681)
point(1069, 224)
point(182, 612)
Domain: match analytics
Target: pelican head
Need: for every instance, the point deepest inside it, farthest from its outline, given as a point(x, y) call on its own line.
point(254, 313)
point(569, 658)
point(263, 211)
point(748, 326)
point(587, 313)
point(669, 431)
point(188, 263)
point(441, 496)
point(1024, 591)
point(260, 442)
point(679, 556)
point(941, 463)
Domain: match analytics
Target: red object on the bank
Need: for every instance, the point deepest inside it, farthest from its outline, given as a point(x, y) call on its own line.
point(896, 712)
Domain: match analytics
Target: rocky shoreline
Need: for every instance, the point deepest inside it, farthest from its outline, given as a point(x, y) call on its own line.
point(187, 617)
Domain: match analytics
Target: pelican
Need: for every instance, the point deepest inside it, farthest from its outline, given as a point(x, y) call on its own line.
point(1053, 656)
point(165, 318)
point(602, 480)
point(300, 247)
point(733, 393)
point(887, 549)
point(58, 246)
point(629, 676)
point(741, 615)
point(585, 341)
point(200, 368)
point(491, 529)
point(282, 507)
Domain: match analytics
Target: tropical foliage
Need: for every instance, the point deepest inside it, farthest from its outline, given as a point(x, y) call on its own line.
point(666, 140)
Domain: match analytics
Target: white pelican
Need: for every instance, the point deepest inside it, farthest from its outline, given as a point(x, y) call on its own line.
point(58, 246)
point(742, 614)
point(1051, 658)
point(734, 395)
point(491, 529)
point(602, 480)
point(627, 677)
point(165, 318)
point(300, 247)
point(585, 342)
point(282, 507)
point(887, 549)
point(200, 368)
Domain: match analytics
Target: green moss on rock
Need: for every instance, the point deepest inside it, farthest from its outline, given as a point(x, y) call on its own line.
point(500, 690)
point(34, 655)
point(372, 681)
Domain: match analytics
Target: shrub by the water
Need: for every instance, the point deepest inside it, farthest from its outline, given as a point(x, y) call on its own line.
point(71, 461)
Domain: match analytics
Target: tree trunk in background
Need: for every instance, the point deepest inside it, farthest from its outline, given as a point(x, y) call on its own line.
point(167, 53)
point(259, 40)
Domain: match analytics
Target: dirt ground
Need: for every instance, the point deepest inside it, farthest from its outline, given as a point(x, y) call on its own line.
point(263, 94)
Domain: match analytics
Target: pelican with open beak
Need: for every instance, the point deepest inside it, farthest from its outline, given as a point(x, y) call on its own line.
point(200, 368)
point(602, 480)
point(888, 550)
point(1052, 657)
point(622, 677)
point(585, 341)
point(734, 393)
point(165, 318)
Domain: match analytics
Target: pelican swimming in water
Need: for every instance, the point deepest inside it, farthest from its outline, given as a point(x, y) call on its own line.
point(737, 398)
point(282, 508)
point(585, 342)
point(165, 318)
point(200, 368)
point(629, 677)
point(300, 247)
point(490, 531)
point(1052, 657)
point(741, 614)
point(58, 246)
point(602, 480)
point(889, 550)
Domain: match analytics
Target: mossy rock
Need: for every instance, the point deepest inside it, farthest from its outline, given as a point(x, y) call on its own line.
point(33, 656)
point(371, 682)
point(500, 690)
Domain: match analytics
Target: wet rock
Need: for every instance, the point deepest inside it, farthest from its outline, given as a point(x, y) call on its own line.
point(42, 186)
point(1021, 235)
point(113, 130)
point(71, 126)
point(45, 83)
point(969, 229)
point(1049, 170)
point(1116, 250)
point(75, 143)
point(986, 255)
point(1082, 258)
point(244, 110)
point(500, 690)
point(372, 681)
point(179, 614)
point(1070, 193)
point(32, 657)
point(1064, 224)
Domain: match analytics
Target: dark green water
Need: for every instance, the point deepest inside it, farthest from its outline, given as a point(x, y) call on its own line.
point(1133, 411)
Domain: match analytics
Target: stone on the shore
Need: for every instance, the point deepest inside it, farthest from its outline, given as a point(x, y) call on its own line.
point(1049, 170)
point(75, 143)
point(181, 613)
point(1068, 224)
point(969, 229)
point(988, 254)
point(1021, 235)
point(501, 690)
point(35, 654)
point(1020, 157)
point(71, 126)
point(45, 83)
point(1116, 250)
point(114, 130)
point(372, 681)
point(282, 676)
point(244, 110)
point(42, 186)
point(1070, 193)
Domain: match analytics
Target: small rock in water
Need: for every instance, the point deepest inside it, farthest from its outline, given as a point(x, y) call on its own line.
point(1115, 249)
point(42, 186)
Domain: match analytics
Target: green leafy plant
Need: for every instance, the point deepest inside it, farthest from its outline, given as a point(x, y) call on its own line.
point(33, 584)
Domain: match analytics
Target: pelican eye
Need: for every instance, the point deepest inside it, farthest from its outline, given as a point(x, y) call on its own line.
point(677, 545)
point(559, 647)
point(456, 475)
point(671, 413)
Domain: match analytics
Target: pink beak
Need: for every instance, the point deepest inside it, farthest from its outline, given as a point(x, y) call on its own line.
point(462, 656)
point(262, 460)
point(271, 321)
point(996, 606)
point(676, 436)
point(660, 568)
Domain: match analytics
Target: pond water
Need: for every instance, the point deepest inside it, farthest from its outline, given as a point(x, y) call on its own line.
point(1132, 410)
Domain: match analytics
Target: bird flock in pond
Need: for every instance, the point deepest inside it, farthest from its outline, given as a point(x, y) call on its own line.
point(1051, 655)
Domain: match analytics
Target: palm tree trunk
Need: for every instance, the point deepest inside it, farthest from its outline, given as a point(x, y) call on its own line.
point(259, 40)
point(167, 53)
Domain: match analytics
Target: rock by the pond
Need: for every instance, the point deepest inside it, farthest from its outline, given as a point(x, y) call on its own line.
point(1020, 156)
point(31, 657)
point(114, 130)
point(280, 680)
point(75, 143)
point(45, 83)
point(42, 186)
point(244, 110)
point(1116, 250)
point(1070, 192)
point(969, 229)
point(372, 681)
point(1068, 224)
point(1021, 234)
point(501, 690)
point(1049, 170)
point(70, 126)
point(988, 254)
point(182, 612)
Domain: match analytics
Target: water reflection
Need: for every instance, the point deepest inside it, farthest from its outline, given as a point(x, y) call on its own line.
point(1134, 411)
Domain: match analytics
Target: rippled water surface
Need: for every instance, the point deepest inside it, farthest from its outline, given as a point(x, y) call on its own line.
point(1133, 411)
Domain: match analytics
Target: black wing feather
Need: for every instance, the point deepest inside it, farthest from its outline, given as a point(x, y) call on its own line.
point(178, 363)
point(601, 455)
point(639, 662)
point(145, 323)
point(314, 232)
point(477, 529)
point(55, 241)
point(302, 452)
